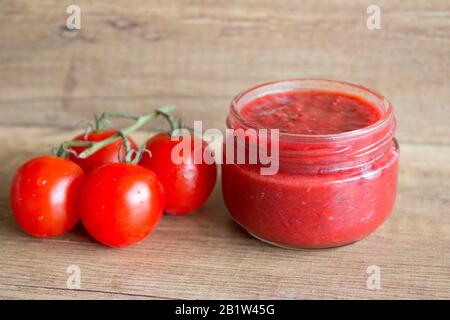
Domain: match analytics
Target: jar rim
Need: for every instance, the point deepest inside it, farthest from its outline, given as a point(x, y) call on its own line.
point(387, 115)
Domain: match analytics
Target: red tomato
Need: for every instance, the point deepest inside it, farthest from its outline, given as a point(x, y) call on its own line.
point(108, 154)
point(120, 204)
point(187, 185)
point(44, 196)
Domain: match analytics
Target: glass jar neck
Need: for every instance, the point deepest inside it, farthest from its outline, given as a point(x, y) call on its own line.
point(325, 152)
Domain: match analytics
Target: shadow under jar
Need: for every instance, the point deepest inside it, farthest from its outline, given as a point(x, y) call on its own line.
point(338, 163)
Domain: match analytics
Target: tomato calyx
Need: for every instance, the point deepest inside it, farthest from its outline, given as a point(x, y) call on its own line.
point(64, 149)
point(101, 123)
point(132, 156)
point(140, 121)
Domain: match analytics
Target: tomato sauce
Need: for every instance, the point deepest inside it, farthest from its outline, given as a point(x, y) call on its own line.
point(337, 178)
point(310, 112)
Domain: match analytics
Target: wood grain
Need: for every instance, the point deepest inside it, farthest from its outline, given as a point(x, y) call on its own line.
point(200, 54)
point(206, 255)
point(137, 55)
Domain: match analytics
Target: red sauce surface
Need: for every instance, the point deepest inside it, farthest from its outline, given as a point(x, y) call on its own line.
point(310, 112)
point(313, 208)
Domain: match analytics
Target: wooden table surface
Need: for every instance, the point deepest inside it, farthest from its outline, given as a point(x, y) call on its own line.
point(138, 55)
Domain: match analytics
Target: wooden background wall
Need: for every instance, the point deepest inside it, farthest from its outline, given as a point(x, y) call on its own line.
point(138, 54)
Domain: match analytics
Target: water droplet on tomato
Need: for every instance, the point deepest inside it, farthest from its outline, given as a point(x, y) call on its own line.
point(41, 182)
point(41, 218)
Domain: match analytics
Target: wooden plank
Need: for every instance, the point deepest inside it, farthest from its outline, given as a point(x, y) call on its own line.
point(206, 255)
point(13, 292)
point(200, 55)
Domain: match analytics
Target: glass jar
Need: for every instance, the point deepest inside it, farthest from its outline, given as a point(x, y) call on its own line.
point(330, 189)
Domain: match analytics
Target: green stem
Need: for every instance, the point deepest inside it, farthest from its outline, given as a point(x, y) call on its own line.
point(61, 152)
point(173, 122)
point(139, 155)
point(77, 143)
point(128, 150)
point(101, 122)
point(140, 122)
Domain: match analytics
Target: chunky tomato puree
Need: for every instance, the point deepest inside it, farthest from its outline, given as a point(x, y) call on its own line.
point(330, 190)
point(310, 112)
